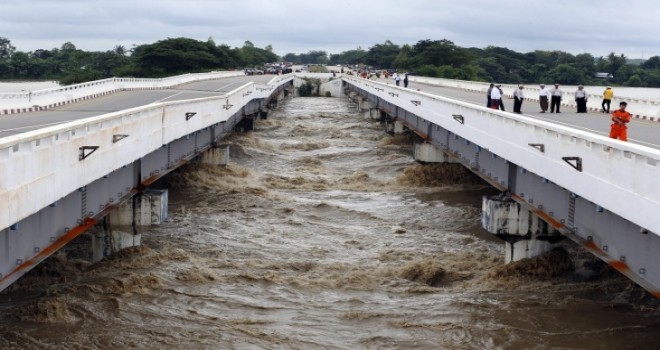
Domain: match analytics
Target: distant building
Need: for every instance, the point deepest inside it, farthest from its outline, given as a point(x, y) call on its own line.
point(604, 76)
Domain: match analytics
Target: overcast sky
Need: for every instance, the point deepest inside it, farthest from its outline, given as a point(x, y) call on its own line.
point(576, 26)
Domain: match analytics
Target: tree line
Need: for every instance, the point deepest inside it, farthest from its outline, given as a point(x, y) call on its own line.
point(444, 59)
point(172, 56)
point(435, 58)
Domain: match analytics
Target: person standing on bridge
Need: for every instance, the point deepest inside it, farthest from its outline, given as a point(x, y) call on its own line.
point(499, 87)
point(620, 118)
point(607, 99)
point(581, 99)
point(518, 98)
point(544, 96)
point(556, 99)
point(397, 79)
point(490, 89)
point(405, 81)
point(495, 97)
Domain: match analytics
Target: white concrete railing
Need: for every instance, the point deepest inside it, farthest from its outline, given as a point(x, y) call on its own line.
point(619, 176)
point(62, 95)
point(640, 107)
point(39, 167)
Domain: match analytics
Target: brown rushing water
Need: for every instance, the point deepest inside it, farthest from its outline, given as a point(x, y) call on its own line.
point(324, 234)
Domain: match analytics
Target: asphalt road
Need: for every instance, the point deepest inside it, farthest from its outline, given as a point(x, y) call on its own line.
point(19, 123)
point(639, 131)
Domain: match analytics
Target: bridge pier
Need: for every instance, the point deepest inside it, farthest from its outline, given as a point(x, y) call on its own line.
point(247, 123)
point(394, 127)
point(364, 104)
point(123, 226)
point(428, 153)
point(216, 155)
point(525, 234)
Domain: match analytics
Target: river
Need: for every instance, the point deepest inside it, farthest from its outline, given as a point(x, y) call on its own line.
point(323, 233)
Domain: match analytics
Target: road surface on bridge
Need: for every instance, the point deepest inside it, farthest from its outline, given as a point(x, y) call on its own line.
point(639, 131)
point(23, 122)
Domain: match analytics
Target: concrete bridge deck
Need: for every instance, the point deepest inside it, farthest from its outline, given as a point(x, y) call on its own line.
point(639, 131)
point(12, 124)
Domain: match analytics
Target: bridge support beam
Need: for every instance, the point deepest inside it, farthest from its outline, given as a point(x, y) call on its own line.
point(428, 153)
point(123, 226)
point(524, 233)
point(217, 155)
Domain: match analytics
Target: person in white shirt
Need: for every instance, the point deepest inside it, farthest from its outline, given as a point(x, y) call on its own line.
point(495, 97)
point(490, 88)
point(581, 99)
point(544, 96)
point(499, 87)
point(518, 97)
point(555, 101)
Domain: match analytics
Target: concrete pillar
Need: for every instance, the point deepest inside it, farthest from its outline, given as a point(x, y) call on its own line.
point(525, 249)
point(124, 224)
point(334, 87)
point(364, 105)
point(354, 97)
point(394, 127)
point(218, 155)
point(428, 153)
point(247, 124)
point(525, 234)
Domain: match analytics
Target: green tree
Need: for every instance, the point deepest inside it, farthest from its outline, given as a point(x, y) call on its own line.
point(174, 56)
point(634, 80)
point(6, 49)
point(439, 52)
point(652, 63)
point(382, 55)
point(403, 59)
point(566, 74)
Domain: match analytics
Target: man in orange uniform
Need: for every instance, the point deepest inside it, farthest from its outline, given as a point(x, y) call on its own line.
point(620, 118)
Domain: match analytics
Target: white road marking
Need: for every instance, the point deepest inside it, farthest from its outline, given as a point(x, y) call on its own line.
point(38, 126)
point(182, 92)
point(230, 84)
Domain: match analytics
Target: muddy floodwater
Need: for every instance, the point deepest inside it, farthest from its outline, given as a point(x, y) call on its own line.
point(323, 233)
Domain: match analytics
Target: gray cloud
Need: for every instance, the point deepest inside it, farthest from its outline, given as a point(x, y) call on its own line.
point(300, 25)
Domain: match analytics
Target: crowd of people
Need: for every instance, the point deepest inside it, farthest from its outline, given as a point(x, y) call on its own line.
point(554, 96)
point(549, 99)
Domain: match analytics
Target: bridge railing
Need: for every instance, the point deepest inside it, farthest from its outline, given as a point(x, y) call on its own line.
point(39, 167)
point(642, 107)
point(618, 176)
point(65, 94)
